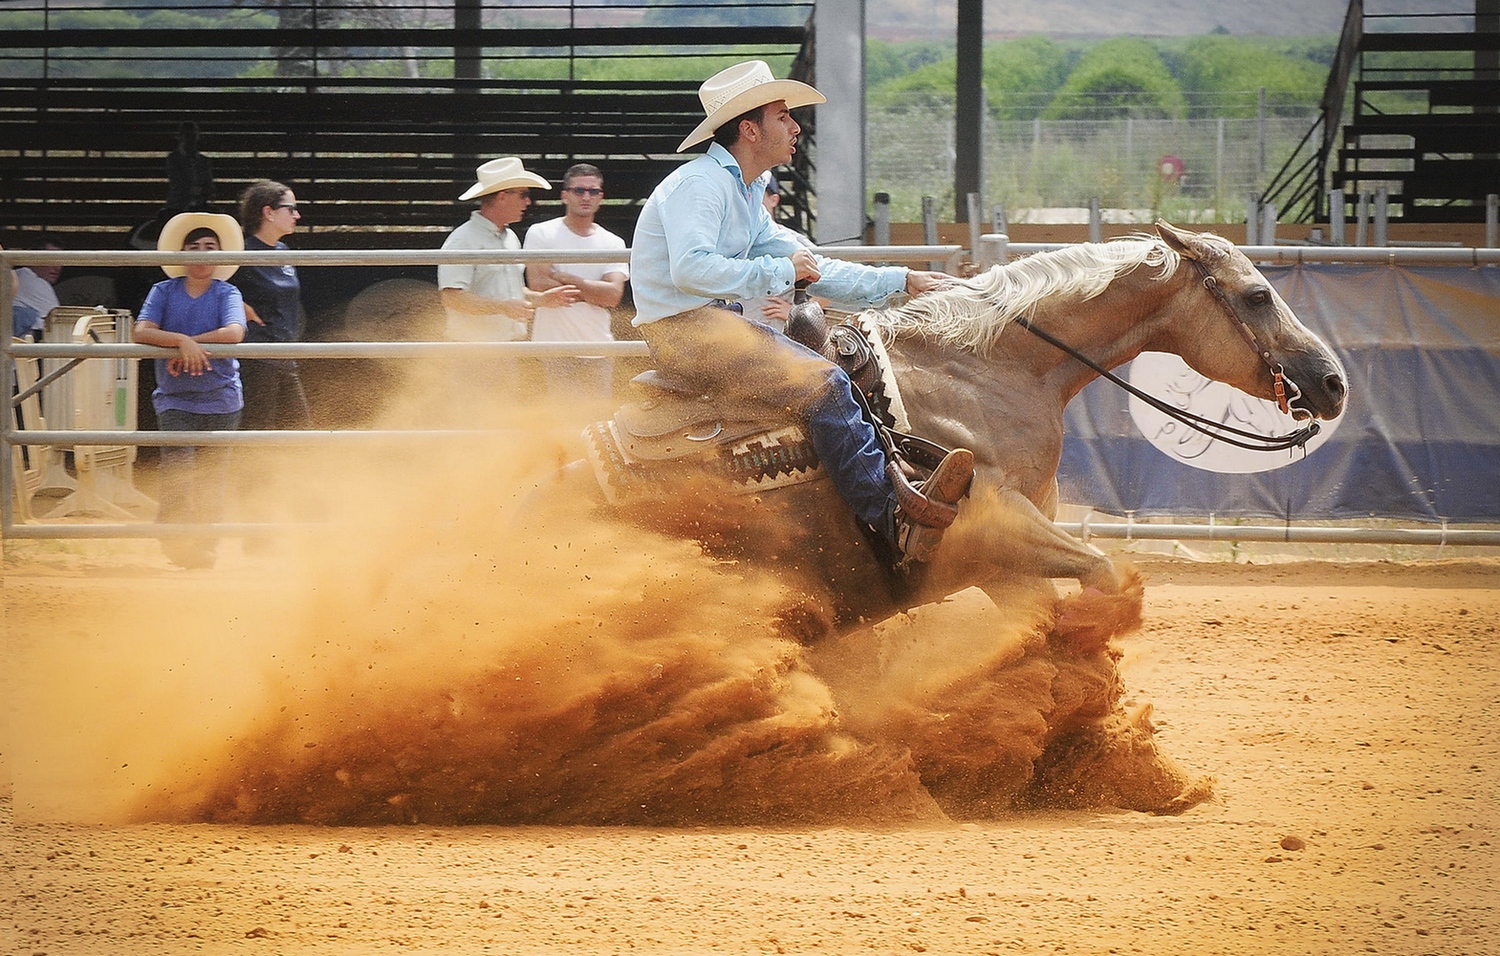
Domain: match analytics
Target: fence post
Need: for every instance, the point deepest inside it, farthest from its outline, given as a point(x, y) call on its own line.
point(1336, 216)
point(976, 225)
point(1096, 234)
point(1219, 166)
point(7, 383)
point(1260, 133)
point(1382, 215)
point(882, 219)
point(997, 218)
point(1252, 220)
point(930, 228)
point(993, 251)
point(1491, 221)
point(1268, 224)
point(1362, 218)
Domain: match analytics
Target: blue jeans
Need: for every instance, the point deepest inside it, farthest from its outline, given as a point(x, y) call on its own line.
point(193, 483)
point(745, 362)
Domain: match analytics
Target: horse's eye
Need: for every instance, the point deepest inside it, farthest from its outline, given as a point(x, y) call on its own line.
point(1259, 297)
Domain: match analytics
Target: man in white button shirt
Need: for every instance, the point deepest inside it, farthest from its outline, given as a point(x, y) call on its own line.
point(490, 302)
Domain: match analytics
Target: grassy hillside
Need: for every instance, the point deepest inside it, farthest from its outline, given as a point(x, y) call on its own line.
point(911, 19)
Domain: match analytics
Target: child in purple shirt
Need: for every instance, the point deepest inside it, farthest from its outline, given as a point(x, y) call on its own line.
point(194, 308)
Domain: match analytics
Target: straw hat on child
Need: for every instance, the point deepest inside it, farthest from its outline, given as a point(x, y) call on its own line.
point(227, 228)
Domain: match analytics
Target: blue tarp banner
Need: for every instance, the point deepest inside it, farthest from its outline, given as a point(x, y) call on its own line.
point(1420, 438)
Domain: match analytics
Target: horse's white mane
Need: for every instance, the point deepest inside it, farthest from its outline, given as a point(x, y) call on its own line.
point(972, 314)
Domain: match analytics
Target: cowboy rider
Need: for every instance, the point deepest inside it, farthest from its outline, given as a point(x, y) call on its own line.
point(704, 241)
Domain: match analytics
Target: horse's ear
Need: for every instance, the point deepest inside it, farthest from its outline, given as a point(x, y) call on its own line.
point(1185, 244)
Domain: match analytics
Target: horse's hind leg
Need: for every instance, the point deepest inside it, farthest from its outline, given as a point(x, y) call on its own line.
point(1013, 536)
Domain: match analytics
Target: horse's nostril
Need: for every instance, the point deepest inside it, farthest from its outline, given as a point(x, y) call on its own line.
point(1334, 384)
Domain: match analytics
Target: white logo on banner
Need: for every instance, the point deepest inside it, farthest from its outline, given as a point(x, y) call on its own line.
point(1168, 377)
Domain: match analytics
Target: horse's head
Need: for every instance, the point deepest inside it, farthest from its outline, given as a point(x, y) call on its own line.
point(1246, 331)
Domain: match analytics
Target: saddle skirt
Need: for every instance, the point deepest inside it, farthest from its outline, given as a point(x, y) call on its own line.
point(674, 431)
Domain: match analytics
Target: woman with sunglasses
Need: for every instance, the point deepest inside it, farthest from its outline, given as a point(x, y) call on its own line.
point(274, 397)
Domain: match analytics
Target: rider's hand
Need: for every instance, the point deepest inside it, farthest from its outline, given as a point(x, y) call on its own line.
point(918, 282)
point(806, 266)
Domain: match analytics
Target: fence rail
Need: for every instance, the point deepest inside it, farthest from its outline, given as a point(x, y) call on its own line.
point(993, 248)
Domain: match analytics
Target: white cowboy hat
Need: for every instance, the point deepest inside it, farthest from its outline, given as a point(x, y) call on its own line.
point(231, 239)
point(742, 88)
point(498, 174)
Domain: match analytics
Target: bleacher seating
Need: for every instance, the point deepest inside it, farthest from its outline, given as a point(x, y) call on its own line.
point(1430, 137)
point(380, 158)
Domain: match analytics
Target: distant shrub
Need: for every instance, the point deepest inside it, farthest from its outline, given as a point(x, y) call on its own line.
point(1120, 77)
point(1226, 75)
point(885, 61)
point(1020, 76)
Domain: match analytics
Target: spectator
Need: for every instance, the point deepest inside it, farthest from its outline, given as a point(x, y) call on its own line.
point(490, 303)
point(35, 295)
point(600, 285)
point(190, 175)
point(274, 397)
point(193, 308)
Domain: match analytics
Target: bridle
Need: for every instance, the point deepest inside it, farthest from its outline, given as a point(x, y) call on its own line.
point(1220, 431)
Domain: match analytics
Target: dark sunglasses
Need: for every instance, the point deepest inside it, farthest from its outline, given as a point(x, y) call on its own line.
point(288, 205)
point(584, 190)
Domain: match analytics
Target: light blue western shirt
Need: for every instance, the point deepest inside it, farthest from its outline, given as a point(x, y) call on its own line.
point(705, 235)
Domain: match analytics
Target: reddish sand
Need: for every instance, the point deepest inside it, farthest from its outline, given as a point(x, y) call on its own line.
point(1345, 712)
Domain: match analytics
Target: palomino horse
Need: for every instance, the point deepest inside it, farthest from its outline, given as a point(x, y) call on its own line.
point(698, 707)
point(969, 374)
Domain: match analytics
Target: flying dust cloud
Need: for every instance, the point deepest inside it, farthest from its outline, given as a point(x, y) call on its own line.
point(428, 657)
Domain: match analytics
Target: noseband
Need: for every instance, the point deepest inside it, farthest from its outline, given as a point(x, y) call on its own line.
point(1252, 441)
point(1278, 376)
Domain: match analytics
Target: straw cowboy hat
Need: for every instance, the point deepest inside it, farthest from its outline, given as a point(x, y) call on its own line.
point(498, 174)
point(231, 239)
point(742, 88)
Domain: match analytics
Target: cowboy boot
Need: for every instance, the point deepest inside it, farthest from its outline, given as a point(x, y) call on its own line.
point(924, 511)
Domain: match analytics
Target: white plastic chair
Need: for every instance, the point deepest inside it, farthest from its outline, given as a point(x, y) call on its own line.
point(102, 397)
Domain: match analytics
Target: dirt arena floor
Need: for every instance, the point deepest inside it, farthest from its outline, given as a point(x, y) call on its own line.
point(1347, 712)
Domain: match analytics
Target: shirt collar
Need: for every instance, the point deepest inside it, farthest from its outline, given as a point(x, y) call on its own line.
point(477, 216)
point(726, 159)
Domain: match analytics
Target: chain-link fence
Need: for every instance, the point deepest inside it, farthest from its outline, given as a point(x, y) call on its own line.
point(1031, 166)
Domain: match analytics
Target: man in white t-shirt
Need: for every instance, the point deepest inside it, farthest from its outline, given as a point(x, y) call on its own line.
point(600, 285)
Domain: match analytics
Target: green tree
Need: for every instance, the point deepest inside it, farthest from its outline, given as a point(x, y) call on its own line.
point(885, 61)
point(927, 87)
point(1225, 75)
point(1020, 76)
point(1120, 77)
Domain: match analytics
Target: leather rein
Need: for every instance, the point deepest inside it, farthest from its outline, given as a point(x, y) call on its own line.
point(1219, 431)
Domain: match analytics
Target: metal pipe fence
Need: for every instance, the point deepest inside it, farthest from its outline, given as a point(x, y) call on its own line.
point(992, 249)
